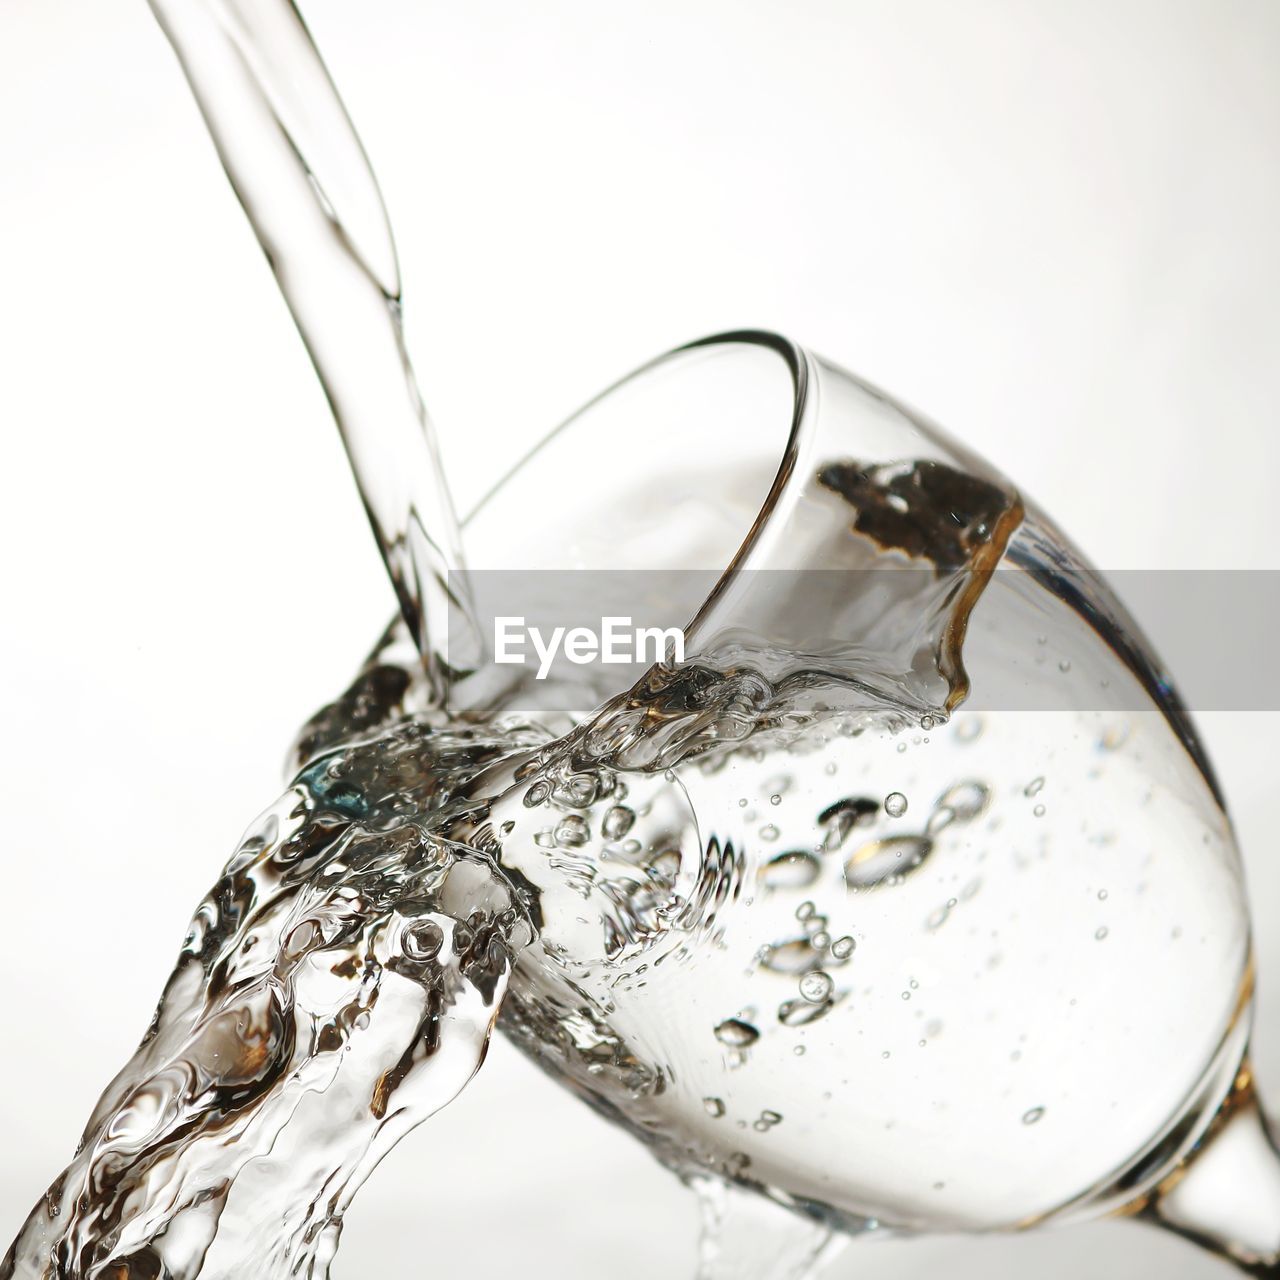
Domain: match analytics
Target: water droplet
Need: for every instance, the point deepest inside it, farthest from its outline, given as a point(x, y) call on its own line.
point(816, 986)
point(793, 870)
point(714, 1107)
point(736, 1033)
point(1032, 1116)
point(879, 860)
point(617, 822)
point(895, 804)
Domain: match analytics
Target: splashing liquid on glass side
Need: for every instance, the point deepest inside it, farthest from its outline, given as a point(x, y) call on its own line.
point(784, 924)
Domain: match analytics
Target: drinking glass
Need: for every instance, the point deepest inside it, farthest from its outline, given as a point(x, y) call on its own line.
point(967, 949)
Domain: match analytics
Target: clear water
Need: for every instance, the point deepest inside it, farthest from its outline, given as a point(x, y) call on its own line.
point(827, 953)
point(754, 924)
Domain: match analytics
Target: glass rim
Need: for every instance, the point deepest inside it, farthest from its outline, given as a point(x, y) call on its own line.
point(797, 363)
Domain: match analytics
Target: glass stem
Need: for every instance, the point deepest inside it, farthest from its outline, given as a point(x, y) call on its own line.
point(1226, 1196)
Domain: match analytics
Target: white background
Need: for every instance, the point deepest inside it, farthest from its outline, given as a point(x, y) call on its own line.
point(1049, 224)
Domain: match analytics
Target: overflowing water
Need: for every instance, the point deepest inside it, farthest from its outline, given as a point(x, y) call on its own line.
point(849, 956)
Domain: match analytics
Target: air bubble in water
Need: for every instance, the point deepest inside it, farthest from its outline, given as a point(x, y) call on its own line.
point(579, 792)
point(1032, 1116)
point(537, 794)
point(839, 819)
point(665, 867)
point(799, 1013)
point(895, 804)
point(422, 940)
point(816, 986)
point(939, 821)
point(572, 832)
point(793, 957)
point(736, 1033)
point(714, 1107)
point(842, 948)
point(1034, 787)
point(617, 822)
point(879, 860)
point(793, 870)
point(966, 800)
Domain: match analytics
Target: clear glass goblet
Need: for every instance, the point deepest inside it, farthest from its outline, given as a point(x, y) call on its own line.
point(969, 948)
